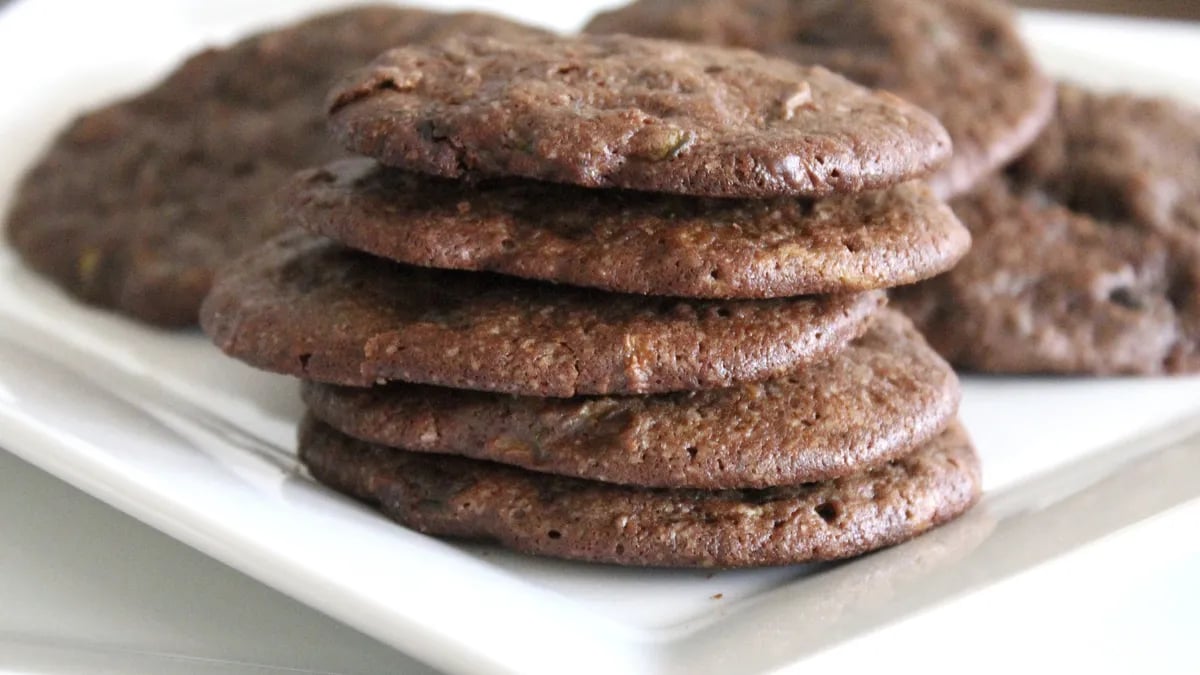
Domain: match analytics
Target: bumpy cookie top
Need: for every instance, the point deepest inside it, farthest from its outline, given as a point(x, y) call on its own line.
point(1118, 158)
point(1087, 255)
point(137, 203)
point(961, 60)
point(602, 522)
point(617, 111)
point(303, 305)
point(887, 393)
point(633, 242)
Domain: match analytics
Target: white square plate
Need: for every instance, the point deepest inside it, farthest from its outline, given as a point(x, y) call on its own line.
point(165, 428)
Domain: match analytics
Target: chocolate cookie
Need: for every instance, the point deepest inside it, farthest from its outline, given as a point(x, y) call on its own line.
point(305, 306)
point(600, 522)
point(1087, 250)
point(136, 204)
point(633, 242)
point(961, 60)
point(884, 395)
point(616, 111)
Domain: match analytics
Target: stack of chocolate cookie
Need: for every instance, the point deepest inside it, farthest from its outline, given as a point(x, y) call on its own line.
point(616, 299)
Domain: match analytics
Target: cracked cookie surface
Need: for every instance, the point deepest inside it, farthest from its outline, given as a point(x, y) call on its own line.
point(617, 111)
point(600, 522)
point(629, 241)
point(305, 306)
point(885, 394)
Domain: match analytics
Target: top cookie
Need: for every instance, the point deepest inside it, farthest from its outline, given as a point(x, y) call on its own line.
point(629, 241)
point(1087, 256)
point(616, 111)
point(961, 60)
point(136, 204)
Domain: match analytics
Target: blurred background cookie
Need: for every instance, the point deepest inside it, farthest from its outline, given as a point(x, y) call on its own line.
point(1087, 249)
point(135, 205)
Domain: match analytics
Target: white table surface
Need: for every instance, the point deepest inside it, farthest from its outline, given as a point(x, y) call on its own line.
point(86, 589)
